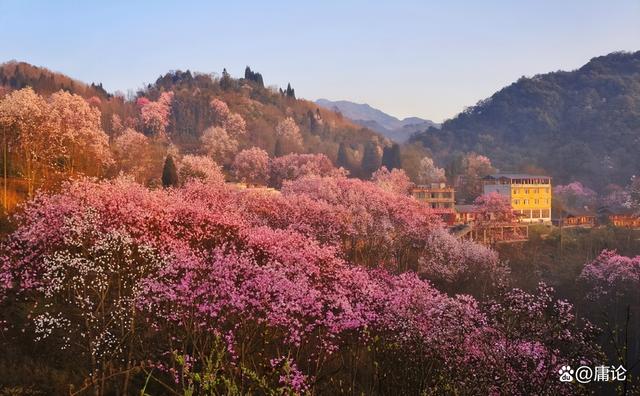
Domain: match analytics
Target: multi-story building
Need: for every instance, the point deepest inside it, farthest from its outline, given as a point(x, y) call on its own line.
point(530, 195)
point(437, 195)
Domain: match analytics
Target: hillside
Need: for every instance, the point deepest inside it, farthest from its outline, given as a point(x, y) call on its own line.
point(576, 125)
point(322, 130)
point(377, 120)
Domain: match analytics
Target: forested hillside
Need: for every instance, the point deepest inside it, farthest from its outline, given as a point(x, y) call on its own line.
point(190, 112)
point(576, 125)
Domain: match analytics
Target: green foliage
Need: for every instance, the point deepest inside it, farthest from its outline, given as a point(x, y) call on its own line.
point(579, 125)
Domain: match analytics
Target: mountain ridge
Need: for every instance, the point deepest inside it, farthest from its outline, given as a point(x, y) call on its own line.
point(370, 117)
point(582, 124)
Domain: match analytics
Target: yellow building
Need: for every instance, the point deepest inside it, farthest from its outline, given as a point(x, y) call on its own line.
point(530, 195)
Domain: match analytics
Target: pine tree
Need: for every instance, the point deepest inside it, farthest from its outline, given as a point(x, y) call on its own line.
point(279, 150)
point(391, 157)
point(225, 81)
point(291, 93)
point(169, 173)
point(370, 159)
point(343, 158)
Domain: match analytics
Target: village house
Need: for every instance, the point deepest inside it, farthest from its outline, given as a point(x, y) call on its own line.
point(436, 195)
point(576, 218)
point(529, 195)
point(621, 217)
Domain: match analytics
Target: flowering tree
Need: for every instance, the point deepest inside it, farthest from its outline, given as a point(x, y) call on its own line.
point(218, 144)
point(202, 168)
point(288, 131)
point(611, 282)
point(131, 151)
point(252, 166)
point(428, 172)
point(475, 167)
point(155, 115)
point(203, 288)
point(27, 131)
point(493, 208)
point(220, 110)
point(574, 196)
point(395, 180)
point(55, 136)
point(294, 166)
point(233, 123)
point(78, 127)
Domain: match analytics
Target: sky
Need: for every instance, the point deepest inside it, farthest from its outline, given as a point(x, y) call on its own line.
point(429, 59)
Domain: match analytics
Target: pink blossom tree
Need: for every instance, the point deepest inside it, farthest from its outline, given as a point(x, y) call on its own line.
point(155, 115)
point(252, 166)
point(208, 282)
point(395, 180)
point(294, 166)
point(493, 208)
point(574, 196)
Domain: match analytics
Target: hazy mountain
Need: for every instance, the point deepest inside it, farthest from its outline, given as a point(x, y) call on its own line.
point(575, 125)
point(377, 120)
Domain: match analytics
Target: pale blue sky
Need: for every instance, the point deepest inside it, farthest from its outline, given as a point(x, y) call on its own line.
point(422, 58)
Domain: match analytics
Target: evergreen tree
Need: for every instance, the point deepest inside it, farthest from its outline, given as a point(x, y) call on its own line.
point(313, 122)
point(279, 150)
point(391, 157)
point(291, 93)
point(370, 159)
point(169, 173)
point(343, 158)
point(225, 81)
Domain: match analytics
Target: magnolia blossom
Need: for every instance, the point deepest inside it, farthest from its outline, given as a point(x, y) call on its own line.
point(493, 208)
point(155, 115)
point(233, 123)
point(322, 271)
point(428, 172)
point(612, 273)
point(252, 166)
point(218, 144)
point(289, 131)
point(395, 180)
point(294, 166)
point(575, 196)
point(201, 168)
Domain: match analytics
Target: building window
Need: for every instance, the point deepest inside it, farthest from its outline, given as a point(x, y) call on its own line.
point(545, 213)
point(536, 201)
point(526, 191)
point(516, 202)
point(526, 202)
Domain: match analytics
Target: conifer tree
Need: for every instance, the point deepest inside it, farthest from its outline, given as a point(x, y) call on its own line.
point(391, 157)
point(370, 159)
point(343, 158)
point(169, 173)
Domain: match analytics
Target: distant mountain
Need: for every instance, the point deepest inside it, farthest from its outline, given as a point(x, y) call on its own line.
point(377, 120)
point(577, 125)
